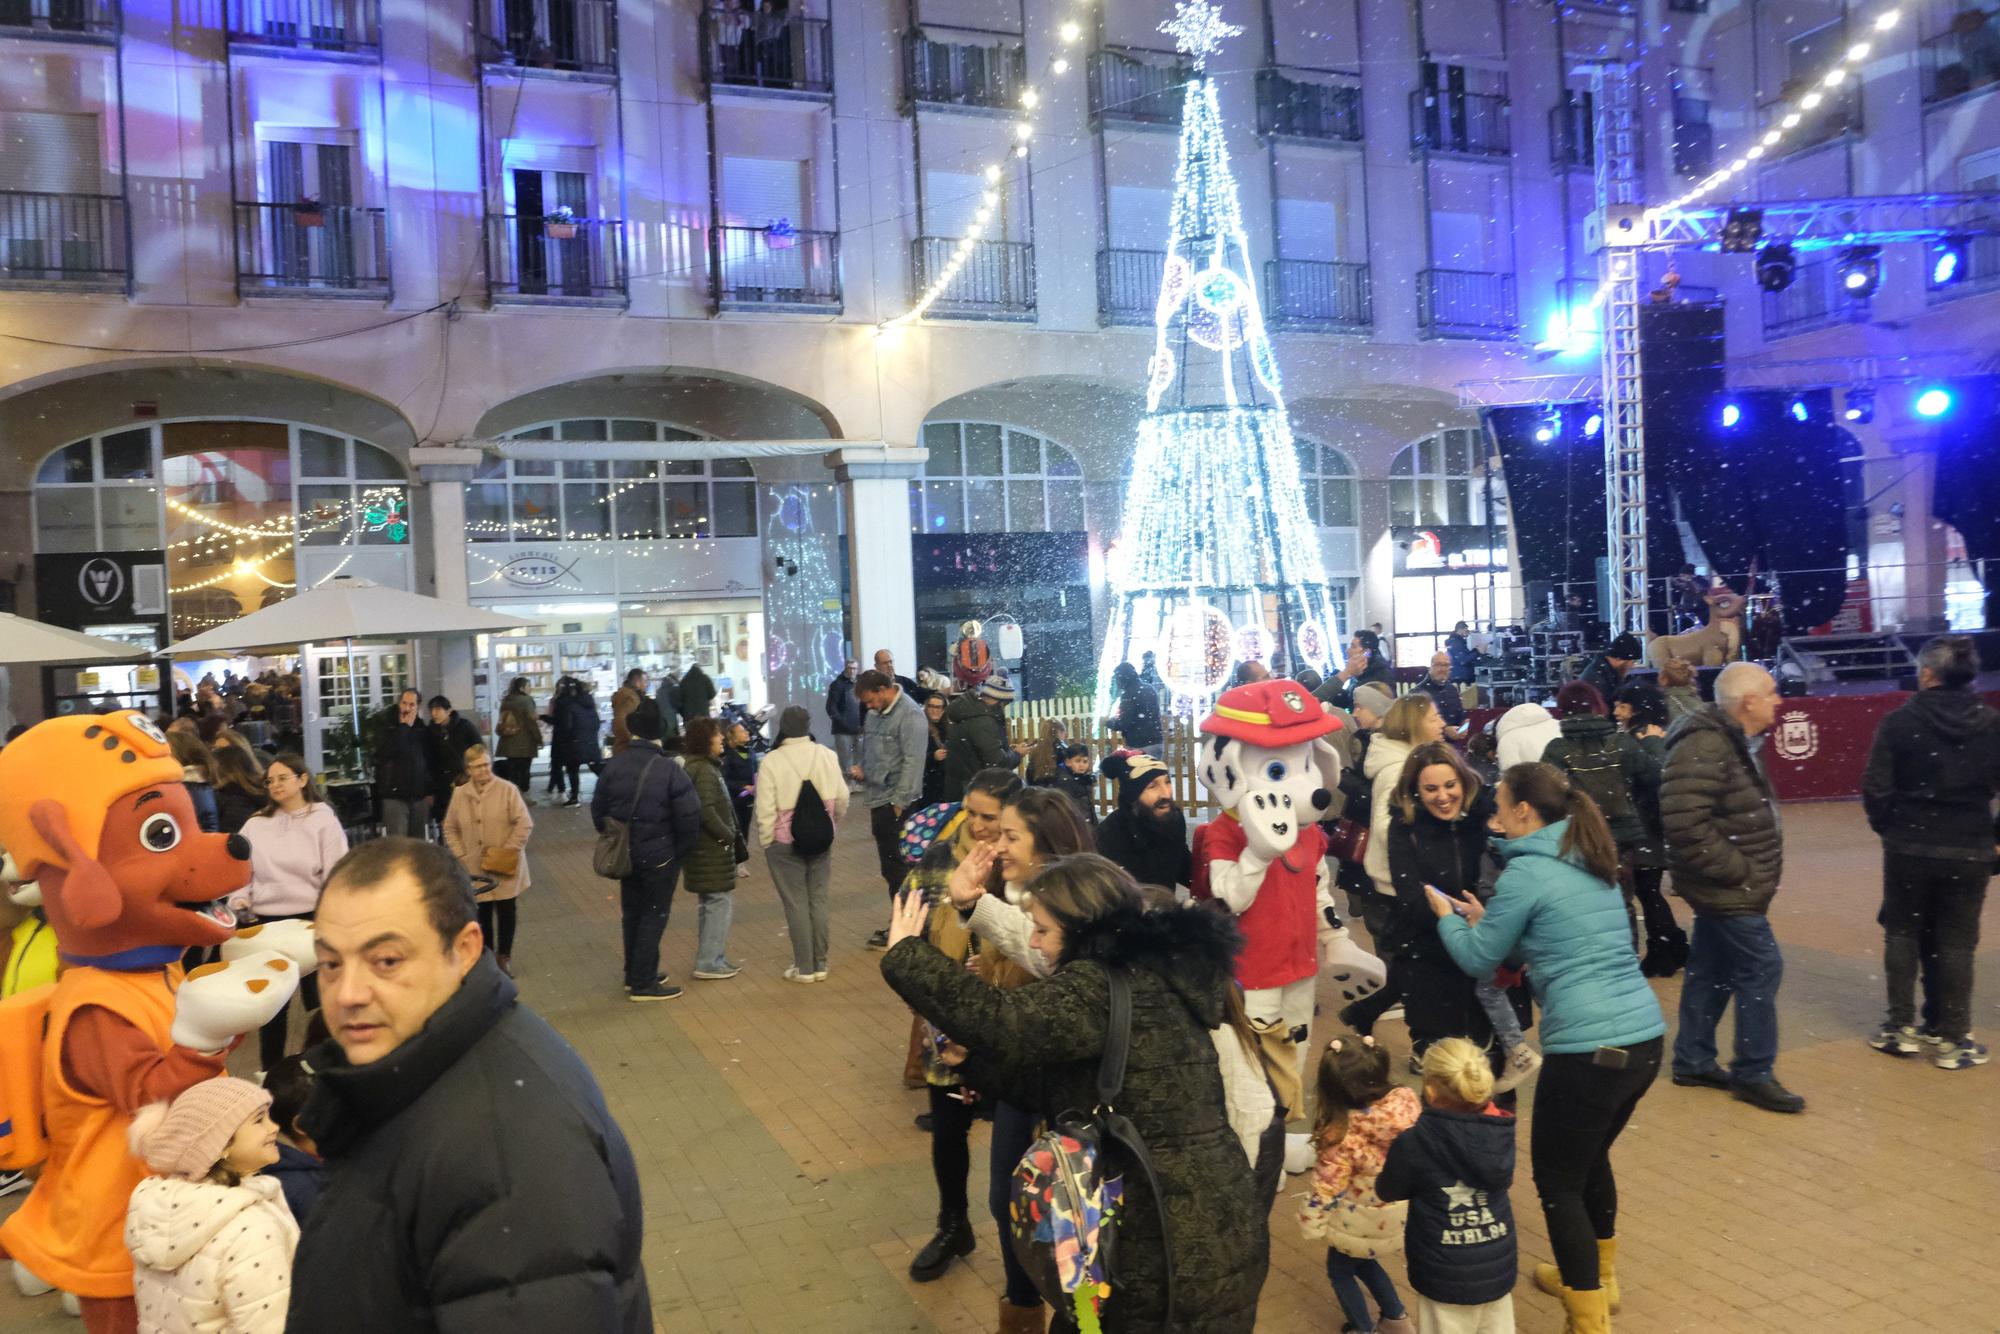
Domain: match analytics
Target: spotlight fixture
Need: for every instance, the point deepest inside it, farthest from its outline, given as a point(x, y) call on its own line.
point(1859, 270)
point(1933, 402)
point(1742, 230)
point(1948, 259)
point(1776, 263)
point(1549, 427)
point(1731, 414)
point(1593, 423)
point(1860, 406)
point(1799, 412)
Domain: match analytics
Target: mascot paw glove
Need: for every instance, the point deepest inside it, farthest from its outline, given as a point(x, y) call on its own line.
point(1355, 972)
point(220, 1002)
point(293, 939)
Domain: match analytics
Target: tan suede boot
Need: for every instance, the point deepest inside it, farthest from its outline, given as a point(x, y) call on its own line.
point(1549, 1278)
point(1589, 1312)
point(1022, 1319)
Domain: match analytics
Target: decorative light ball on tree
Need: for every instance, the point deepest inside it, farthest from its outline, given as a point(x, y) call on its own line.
point(1253, 643)
point(1314, 645)
point(1218, 318)
point(1196, 654)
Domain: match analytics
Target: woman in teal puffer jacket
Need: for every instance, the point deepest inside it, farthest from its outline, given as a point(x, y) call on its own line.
point(1557, 907)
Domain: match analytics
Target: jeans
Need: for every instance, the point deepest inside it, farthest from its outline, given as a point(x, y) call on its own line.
point(1731, 957)
point(802, 888)
point(1580, 1108)
point(646, 898)
point(496, 923)
point(271, 1037)
point(887, 827)
point(712, 920)
point(1930, 914)
point(848, 748)
point(1348, 1275)
point(1500, 1013)
point(951, 1154)
point(406, 817)
point(1013, 1132)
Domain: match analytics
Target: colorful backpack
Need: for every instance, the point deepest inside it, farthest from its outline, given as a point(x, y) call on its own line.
point(1066, 1199)
point(921, 828)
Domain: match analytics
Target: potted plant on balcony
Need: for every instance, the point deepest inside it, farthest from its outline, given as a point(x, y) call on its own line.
point(309, 212)
point(559, 223)
point(781, 235)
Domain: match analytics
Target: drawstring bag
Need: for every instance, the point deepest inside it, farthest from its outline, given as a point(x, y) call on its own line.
point(1066, 1197)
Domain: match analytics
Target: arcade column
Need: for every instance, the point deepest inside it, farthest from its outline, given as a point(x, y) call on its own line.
point(444, 471)
point(875, 483)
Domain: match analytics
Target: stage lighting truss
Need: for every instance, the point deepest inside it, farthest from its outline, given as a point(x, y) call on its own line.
point(1858, 271)
point(1743, 230)
point(1949, 257)
point(1776, 263)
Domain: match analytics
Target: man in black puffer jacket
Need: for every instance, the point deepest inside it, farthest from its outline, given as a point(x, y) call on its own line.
point(475, 1179)
point(1726, 850)
point(655, 797)
point(1928, 791)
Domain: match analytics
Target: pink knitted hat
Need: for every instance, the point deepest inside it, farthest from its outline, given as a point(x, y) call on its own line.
point(187, 1138)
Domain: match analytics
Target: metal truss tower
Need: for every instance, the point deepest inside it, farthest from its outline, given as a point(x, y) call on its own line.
point(1618, 216)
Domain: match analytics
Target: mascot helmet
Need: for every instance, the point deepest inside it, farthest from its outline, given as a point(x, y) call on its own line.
point(84, 763)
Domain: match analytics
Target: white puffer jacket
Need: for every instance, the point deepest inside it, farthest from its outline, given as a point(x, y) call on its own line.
point(1384, 767)
point(211, 1259)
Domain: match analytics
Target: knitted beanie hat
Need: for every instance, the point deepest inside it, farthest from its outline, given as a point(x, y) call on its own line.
point(794, 721)
point(1133, 771)
point(1374, 699)
point(187, 1137)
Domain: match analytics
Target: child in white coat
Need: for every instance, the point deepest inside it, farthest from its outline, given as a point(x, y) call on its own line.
point(211, 1238)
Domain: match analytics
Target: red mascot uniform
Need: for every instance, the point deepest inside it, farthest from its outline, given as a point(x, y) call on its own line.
point(93, 807)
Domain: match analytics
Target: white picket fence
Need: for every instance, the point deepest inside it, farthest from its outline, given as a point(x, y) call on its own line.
point(1078, 715)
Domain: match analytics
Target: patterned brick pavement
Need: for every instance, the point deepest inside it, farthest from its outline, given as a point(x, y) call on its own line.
point(786, 1189)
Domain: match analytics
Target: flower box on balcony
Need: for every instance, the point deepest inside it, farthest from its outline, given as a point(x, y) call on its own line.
point(781, 235)
point(309, 213)
point(560, 224)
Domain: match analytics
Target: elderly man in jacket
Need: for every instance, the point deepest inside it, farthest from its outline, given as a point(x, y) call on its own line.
point(1725, 846)
point(894, 737)
point(476, 1179)
point(656, 799)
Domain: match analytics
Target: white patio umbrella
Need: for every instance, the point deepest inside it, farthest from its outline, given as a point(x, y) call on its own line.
point(26, 643)
point(345, 609)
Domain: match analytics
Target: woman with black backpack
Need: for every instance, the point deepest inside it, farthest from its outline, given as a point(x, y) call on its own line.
point(800, 795)
point(1609, 766)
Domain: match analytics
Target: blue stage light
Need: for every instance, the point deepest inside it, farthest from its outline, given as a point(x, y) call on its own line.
point(1860, 406)
point(1799, 413)
point(1933, 403)
point(1549, 427)
point(1593, 423)
point(1731, 414)
point(1948, 257)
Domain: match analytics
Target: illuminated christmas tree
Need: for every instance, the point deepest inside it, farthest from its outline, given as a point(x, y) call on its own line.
point(1218, 560)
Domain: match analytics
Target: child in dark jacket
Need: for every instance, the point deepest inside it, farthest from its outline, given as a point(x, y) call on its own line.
point(299, 1170)
point(1076, 778)
point(1455, 1166)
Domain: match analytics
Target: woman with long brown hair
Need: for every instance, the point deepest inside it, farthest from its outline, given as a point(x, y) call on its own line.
point(1557, 906)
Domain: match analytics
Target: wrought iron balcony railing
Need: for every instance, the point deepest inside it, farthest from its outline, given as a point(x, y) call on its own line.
point(1319, 294)
point(996, 282)
point(963, 74)
point(61, 20)
point(1128, 285)
point(766, 49)
point(62, 240)
point(1965, 57)
point(1815, 300)
point(531, 259)
point(332, 250)
point(554, 36)
point(1694, 137)
point(776, 268)
point(1573, 133)
point(1473, 124)
point(1466, 303)
point(1137, 87)
point(308, 27)
point(1309, 104)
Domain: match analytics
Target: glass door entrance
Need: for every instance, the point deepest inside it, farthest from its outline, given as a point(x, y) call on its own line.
point(337, 685)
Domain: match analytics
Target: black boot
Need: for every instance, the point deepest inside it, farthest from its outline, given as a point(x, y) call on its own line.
point(953, 1239)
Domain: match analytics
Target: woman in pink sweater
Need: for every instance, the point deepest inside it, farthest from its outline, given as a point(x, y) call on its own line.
point(294, 842)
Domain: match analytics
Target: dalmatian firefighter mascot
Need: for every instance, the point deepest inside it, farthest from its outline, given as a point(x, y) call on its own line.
point(1266, 761)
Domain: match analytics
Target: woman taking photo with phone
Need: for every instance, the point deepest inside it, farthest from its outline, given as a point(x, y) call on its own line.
point(1557, 906)
point(487, 828)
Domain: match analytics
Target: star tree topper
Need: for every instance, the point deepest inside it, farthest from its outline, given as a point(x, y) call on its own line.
point(1197, 29)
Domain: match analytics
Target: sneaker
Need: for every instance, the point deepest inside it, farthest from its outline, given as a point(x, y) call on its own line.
point(659, 991)
point(819, 975)
point(1931, 1038)
point(1959, 1055)
point(1903, 1041)
point(722, 974)
point(792, 974)
point(880, 940)
point(13, 1181)
point(743, 872)
point(1522, 1063)
point(657, 977)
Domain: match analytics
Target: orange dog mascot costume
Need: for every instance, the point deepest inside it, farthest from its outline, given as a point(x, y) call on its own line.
point(94, 808)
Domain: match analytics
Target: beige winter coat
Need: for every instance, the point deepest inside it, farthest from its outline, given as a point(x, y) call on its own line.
point(211, 1259)
point(494, 818)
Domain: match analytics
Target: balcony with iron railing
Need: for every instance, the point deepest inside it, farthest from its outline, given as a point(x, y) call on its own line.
point(61, 20)
point(1136, 87)
point(1128, 285)
point(1838, 116)
point(996, 282)
point(70, 242)
point(1325, 295)
point(1965, 57)
point(530, 260)
point(766, 50)
point(1978, 271)
point(988, 74)
point(325, 250)
point(319, 28)
point(1468, 124)
point(1815, 300)
point(1320, 106)
point(572, 38)
point(1466, 303)
point(776, 267)
point(1694, 137)
point(1573, 133)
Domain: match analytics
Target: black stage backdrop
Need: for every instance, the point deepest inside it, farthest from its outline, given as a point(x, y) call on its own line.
point(1767, 491)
